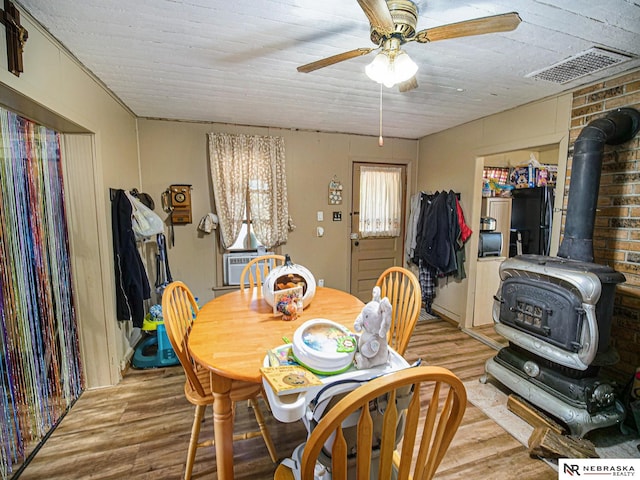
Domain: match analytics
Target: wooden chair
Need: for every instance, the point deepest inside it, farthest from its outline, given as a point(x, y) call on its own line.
point(179, 309)
point(427, 434)
point(262, 269)
point(402, 288)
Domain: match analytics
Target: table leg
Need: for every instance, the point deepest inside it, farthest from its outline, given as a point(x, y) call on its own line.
point(223, 426)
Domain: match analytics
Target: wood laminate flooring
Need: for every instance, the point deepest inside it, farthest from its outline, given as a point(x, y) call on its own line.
point(140, 429)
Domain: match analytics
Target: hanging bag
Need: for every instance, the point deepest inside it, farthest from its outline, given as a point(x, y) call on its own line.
point(144, 221)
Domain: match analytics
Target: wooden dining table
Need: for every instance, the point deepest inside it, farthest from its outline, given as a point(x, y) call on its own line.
point(230, 337)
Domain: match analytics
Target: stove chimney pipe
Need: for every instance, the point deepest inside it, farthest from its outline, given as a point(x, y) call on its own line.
point(616, 127)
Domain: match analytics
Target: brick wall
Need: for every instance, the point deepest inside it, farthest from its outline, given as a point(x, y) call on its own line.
point(616, 237)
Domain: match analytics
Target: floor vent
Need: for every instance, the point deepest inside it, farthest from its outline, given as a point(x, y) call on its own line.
point(579, 65)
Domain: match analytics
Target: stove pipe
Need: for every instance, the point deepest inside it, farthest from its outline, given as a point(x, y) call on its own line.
point(616, 127)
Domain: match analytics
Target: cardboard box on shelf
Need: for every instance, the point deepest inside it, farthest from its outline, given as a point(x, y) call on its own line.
point(547, 175)
point(524, 177)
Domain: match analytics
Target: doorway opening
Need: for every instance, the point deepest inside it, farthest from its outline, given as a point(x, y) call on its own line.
point(516, 226)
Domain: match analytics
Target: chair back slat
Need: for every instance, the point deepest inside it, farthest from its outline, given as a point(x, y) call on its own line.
point(425, 458)
point(440, 437)
point(441, 421)
point(365, 432)
point(256, 271)
point(402, 288)
point(179, 309)
point(409, 437)
point(339, 455)
point(389, 426)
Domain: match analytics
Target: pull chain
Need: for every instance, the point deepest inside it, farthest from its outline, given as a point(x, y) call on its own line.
point(380, 139)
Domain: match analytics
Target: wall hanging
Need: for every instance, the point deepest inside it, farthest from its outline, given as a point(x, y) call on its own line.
point(176, 200)
point(335, 192)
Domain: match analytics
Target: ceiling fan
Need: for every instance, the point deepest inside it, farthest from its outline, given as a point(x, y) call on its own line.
point(393, 23)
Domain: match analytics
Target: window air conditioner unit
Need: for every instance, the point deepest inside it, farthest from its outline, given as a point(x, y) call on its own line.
point(234, 263)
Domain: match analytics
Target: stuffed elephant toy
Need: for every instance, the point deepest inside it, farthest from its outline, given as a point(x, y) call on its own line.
point(374, 322)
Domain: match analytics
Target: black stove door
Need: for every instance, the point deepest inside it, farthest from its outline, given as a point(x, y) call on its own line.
point(544, 310)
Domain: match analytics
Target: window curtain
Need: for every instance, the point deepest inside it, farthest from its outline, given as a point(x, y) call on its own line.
point(39, 338)
point(380, 201)
point(253, 167)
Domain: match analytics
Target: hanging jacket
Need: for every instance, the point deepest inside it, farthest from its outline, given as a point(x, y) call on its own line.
point(453, 234)
point(465, 233)
point(433, 245)
point(132, 284)
point(411, 234)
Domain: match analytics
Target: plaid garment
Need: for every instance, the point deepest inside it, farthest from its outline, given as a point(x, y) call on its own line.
point(428, 279)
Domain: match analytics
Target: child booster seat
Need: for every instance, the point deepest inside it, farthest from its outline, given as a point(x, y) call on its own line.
point(328, 397)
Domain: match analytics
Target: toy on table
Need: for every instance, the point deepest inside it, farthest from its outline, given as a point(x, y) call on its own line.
point(289, 303)
point(374, 322)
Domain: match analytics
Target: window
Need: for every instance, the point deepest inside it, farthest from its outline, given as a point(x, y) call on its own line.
point(380, 201)
point(250, 190)
point(247, 239)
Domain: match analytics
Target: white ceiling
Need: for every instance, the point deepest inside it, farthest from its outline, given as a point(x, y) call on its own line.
point(235, 61)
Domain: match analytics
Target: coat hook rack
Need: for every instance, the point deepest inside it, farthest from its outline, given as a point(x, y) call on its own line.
point(113, 191)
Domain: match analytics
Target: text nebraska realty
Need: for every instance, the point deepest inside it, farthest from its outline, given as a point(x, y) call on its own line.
point(613, 470)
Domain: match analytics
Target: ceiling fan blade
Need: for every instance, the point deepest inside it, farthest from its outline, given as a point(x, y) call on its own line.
point(325, 62)
point(496, 23)
point(408, 85)
point(379, 15)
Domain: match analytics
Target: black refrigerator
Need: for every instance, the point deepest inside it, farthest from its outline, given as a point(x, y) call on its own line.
point(531, 217)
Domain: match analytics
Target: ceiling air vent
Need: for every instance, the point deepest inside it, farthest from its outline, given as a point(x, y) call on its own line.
point(579, 65)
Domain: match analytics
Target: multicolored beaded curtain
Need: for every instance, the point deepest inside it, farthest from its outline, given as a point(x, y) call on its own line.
point(39, 344)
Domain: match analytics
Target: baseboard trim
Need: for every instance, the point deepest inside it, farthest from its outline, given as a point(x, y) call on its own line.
point(482, 338)
point(125, 363)
point(442, 316)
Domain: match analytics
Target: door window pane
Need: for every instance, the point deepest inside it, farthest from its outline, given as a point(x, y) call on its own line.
point(380, 201)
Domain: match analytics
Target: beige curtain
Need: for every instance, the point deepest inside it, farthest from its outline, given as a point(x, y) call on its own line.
point(380, 201)
point(253, 165)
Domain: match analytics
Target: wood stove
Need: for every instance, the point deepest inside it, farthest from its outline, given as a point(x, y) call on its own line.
point(556, 311)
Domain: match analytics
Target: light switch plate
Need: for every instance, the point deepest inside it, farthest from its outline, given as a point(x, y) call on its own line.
point(320, 215)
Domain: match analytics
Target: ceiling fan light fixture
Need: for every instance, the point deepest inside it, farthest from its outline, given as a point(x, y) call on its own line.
point(378, 68)
point(391, 69)
point(404, 67)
